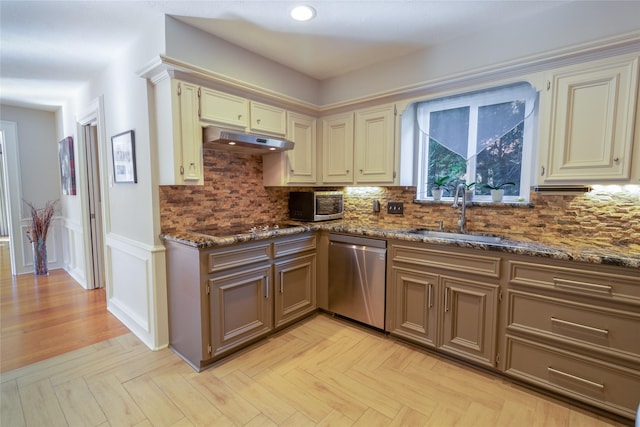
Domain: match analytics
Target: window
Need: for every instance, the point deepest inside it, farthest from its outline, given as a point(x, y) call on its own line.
point(484, 137)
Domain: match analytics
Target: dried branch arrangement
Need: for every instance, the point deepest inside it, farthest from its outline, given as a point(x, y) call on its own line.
point(40, 221)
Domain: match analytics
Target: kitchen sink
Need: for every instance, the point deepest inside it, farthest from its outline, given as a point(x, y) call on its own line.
point(455, 236)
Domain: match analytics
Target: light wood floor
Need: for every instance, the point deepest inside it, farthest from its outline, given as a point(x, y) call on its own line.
point(322, 371)
point(41, 317)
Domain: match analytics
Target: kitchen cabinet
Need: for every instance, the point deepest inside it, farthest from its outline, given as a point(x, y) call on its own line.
point(241, 307)
point(224, 109)
point(179, 132)
point(433, 302)
point(359, 147)
point(588, 113)
point(573, 328)
point(297, 166)
point(267, 119)
point(337, 149)
point(375, 145)
point(224, 298)
point(295, 288)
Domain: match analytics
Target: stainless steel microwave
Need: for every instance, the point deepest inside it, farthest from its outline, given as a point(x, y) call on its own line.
point(316, 205)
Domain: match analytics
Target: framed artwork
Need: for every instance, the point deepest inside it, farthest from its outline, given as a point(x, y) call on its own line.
point(67, 166)
point(124, 158)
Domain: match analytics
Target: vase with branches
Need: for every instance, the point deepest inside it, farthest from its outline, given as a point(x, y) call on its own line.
point(37, 234)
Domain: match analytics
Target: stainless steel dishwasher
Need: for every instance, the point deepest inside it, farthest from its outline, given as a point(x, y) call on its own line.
point(357, 278)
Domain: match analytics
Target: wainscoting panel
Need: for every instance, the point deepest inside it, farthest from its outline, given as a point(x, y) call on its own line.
point(73, 248)
point(136, 288)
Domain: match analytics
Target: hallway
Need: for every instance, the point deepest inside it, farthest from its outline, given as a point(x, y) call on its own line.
point(42, 317)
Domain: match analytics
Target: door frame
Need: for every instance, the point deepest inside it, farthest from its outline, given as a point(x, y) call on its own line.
point(13, 187)
point(93, 115)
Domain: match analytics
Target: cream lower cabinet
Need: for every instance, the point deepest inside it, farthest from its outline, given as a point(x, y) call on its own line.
point(224, 298)
point(429, 304)
point(574, 329)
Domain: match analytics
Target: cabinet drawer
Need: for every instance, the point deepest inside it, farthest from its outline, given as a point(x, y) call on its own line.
point(237, 256)
point(583, 378)
point(602, 329)
point(481, 265)
point(294, 245)
point(608, 286)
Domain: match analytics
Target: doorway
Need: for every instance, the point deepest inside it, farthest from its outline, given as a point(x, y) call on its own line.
point(95, 277)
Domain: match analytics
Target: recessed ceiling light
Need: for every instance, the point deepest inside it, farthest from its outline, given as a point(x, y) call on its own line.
point(303, 13)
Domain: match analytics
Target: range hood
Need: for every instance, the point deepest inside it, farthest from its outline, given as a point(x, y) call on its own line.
point(219, 138)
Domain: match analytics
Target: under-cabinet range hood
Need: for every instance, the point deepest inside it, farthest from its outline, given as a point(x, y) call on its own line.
point(219, 138)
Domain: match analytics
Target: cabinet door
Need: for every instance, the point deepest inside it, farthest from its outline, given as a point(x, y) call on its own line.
point(469, 323)
point(268, 119)
point(302, 159)
point(190, 131)
point(337, 149)
point(295, 288)
point(241, 307)
point(223, 108)
point(591, 113)
point(414, 305)
point(375, 145)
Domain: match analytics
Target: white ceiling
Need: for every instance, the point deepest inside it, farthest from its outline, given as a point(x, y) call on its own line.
point(49, 48)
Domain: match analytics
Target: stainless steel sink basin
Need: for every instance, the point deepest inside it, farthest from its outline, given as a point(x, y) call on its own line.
point(456, 236)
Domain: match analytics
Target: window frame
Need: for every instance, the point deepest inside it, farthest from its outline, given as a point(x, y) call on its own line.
point(474, 100)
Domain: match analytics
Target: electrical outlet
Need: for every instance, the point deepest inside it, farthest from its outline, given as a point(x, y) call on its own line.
point(395, 207)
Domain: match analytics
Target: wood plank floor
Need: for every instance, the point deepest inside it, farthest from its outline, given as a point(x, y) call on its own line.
point(322, 371)
point(41, 317)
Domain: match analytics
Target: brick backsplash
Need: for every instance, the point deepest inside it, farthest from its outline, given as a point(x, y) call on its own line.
point(233, 194)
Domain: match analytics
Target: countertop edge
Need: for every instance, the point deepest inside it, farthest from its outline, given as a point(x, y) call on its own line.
point(578, 253)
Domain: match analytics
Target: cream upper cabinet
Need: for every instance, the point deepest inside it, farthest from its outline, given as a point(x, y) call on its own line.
point(268, 119)
point(297, 166)
point(337, 149)
point(223, 108)
point(359, 148)
point(179, 133)
point(587, 121)
point(375, 145)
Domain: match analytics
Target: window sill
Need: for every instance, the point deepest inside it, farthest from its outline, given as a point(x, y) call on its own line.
point(478, 203)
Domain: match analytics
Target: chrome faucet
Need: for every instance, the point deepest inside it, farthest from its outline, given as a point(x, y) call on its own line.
point(462, 220)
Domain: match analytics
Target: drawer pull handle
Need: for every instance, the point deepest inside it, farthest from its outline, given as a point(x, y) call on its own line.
point(582, 286)
point(446, 299)
point(604, 332)
point(576, 379)
point(282, 282)
point(266, 287)
point(430, 292)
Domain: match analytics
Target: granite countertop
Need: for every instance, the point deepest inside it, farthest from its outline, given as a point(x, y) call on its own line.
point(596, 252)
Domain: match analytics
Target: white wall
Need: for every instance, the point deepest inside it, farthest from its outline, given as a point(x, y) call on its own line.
point(568, 25)
point(204, 50)
point(134, 256)
point(38, 180)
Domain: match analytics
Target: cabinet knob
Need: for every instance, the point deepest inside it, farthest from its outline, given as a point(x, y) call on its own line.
point(258, 121)
point(239, 116)
point(617, 159)
point(347, 170)
point(542, 171)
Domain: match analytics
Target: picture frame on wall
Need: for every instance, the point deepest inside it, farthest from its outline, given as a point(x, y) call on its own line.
point(124, 158)
point(67, 166)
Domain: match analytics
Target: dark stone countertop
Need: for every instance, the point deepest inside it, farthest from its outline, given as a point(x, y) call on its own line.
point(595, 252)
